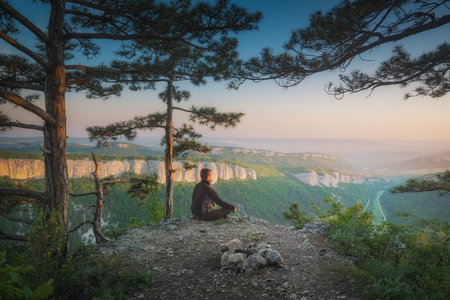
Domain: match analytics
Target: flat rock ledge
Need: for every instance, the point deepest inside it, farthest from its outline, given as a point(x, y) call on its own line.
point(185, 258)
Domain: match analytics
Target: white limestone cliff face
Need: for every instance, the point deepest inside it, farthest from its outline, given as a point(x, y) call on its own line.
point(22, 168)
point(34, 168)
point(330, 180)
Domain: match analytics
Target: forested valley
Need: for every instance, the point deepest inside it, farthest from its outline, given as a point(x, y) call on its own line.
point(267, 198)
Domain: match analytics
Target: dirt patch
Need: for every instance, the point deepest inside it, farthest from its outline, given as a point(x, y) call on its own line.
point(183, 257)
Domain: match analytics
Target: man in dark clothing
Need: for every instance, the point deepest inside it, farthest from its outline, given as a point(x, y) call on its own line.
point(205, 198)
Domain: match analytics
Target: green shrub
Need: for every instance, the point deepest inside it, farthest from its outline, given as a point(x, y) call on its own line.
point(401, 262)
point(156, 208)
point(100, 277)
point(13, 283)
point(46, 242)
point(134, 224)
point(113, 233)
point(339, 214)
point(296, 216)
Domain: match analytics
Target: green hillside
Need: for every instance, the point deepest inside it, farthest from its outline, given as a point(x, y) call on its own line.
point(265, 198)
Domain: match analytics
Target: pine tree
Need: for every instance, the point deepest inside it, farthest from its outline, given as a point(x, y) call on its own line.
point(47, 69)
point(180, 63)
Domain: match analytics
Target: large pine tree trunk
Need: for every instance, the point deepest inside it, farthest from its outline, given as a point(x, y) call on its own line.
point(169, 153)
point(56, 177)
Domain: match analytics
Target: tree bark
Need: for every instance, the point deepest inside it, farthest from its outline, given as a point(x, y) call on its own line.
point(169, 153)
point(56, 176)
point(97, 225)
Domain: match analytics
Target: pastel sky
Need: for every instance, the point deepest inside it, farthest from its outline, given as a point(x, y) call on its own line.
point(303, 111)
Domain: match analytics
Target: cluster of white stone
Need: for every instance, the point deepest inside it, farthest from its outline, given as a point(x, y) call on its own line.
point(238, 259)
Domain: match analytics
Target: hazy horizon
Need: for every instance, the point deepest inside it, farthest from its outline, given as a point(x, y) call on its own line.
point(326, 146)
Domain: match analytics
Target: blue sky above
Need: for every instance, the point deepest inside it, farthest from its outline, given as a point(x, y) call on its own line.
point(303, 111)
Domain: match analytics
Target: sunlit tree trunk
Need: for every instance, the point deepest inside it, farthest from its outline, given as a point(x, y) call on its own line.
point(56, 177)
point(169, 153)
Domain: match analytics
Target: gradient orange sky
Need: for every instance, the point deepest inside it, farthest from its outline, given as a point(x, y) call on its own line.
point(303, 111)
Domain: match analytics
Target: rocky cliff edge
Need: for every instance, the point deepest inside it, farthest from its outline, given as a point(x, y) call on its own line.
point(184, 258)
point(34, 168)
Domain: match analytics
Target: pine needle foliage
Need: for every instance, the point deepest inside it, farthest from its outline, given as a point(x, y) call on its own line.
point(351, 30)
point(439, 183)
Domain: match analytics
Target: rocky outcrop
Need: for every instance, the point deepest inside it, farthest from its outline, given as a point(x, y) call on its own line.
point(34, 168)
point(330, 180)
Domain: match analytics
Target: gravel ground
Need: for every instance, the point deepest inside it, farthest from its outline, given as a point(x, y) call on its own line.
point(183, 257)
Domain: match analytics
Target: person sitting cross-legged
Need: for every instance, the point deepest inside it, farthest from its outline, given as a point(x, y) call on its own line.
point(205, 198)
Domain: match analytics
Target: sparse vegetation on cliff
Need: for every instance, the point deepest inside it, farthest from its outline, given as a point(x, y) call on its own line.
point(394, 261)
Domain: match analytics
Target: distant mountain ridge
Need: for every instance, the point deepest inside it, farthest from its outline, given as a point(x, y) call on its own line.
point(125, 149)
point(317, 161)
point(421, 165)
point(286, 162)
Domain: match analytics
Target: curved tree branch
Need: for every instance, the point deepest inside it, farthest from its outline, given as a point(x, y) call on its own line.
point(13, 98)
point(19, 85)
point(24, 21)
point(16, 219)
point(87, 4)
point(184, 109)
point(7, 191)
point(393, 38)
point(24, 49)
point(12, 237)
point(81, 195)
point(117, 71)
point(20, 125)
point(134, 37)
point(180, 169)
point(81, 224)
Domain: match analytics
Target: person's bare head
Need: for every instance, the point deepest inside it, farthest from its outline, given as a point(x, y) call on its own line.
point(204, 173)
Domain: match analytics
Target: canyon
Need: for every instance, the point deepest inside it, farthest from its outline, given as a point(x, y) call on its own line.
point(34, 169)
